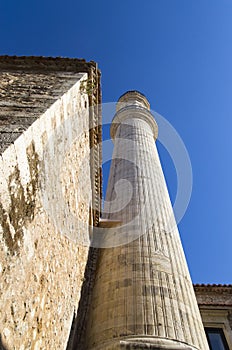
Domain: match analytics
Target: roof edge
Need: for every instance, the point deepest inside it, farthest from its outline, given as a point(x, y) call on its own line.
point(213, 288)
point(42, 63)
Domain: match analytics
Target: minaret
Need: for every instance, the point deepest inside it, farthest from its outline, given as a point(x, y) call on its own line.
point(143, 295)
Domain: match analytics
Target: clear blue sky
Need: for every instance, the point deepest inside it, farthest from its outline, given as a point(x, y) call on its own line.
point(179, 54)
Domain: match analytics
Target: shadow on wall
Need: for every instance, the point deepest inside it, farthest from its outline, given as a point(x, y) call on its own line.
point(77, 333)
point(2, 347)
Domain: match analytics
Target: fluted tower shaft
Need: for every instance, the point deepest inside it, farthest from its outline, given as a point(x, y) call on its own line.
point(143, 294)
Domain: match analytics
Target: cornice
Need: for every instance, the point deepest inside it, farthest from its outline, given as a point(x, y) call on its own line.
point(213, 288)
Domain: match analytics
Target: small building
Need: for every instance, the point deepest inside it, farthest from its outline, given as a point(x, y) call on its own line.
point(215, 304)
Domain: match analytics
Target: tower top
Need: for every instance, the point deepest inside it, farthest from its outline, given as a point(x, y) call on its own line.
point(132, 105)
point(132, 98)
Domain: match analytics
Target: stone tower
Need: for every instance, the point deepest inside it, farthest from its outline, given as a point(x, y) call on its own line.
point(143, 295)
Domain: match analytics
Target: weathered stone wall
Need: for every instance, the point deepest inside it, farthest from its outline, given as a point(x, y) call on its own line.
point(46, 195)
point(24, 96)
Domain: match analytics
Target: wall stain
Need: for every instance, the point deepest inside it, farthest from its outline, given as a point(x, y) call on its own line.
point(22, 203)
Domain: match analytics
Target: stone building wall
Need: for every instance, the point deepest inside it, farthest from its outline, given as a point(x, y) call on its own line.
point(49, 191)
point(215, 304)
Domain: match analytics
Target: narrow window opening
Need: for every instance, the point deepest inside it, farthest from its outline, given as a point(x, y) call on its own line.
point(216, 339)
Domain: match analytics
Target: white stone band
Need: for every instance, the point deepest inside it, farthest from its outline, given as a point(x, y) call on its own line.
point(131, 112)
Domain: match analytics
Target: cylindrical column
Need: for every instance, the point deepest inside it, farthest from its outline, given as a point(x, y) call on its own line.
point(143, 293)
